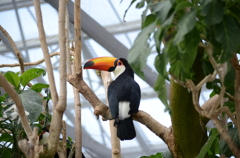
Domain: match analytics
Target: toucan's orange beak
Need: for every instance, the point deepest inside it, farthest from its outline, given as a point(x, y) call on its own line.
point(101, 63)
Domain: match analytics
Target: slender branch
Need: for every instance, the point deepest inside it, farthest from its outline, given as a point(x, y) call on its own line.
point(77, 37)
point(60, 107)
point(78, 70)
point(19, 57)
point(116, 149)
point(64, 139)
point(44, 46)
point(226, 110)
point(99, 107)
point(208, 78)
point(236, 66)
point(223, 132)
point(178, 81)
point(13, 94)
point(78, 128)
point(29, 63)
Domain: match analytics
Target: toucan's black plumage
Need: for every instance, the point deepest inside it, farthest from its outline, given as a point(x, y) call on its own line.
point(123, 93)
point(124, 89)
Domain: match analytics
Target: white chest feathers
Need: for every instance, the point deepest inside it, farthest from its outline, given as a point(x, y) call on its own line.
point(118, 71)
point(123, 110)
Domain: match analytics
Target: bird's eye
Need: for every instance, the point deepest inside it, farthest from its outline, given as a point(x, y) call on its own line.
point(119, 63)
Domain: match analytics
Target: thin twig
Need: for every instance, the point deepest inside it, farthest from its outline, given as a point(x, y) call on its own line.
point(178, 81)
point(29, 63)
point(208, 78)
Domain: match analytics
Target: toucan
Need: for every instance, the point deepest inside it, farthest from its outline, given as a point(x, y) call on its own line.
point(123, 93)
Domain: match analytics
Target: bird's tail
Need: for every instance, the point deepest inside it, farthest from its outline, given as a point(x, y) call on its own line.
point(125, 129)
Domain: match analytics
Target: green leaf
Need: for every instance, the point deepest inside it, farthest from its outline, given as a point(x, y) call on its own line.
point(213, 12)
point(140, 50)
point(160, 64)
point(6, 137)
point(228, 34)
point(125, 13)
point(140, 4)
point(207, 67)
point(158, 38)
point(167, 154)
point(32, 103)
point(229, 79)
point(183, 5)
point(191, 42)
point(185, 25)
point(149, 20)
point(215, 85)
point(31, 74)
point(13, 78)
point(160, 88)
point(208, 144)
point(224, 148)
point(39, 86)
point(158, 155)
point(161, 9)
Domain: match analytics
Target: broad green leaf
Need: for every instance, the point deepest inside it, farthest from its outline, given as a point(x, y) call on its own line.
point(140, 50)
point(161, 9)
point(208, 144)
point(191, 42)
point(213, 12)
point(185, 25)
point(39, 86)
point(31, 74)
point(32, 103)
point(224, 148)
point(228, 34)
point(13, 78)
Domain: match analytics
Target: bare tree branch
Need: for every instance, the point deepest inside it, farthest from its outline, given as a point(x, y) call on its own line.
point(116, 149)
point(236, 66)
point(29, 63)
point(18, 102)
point(77, 70)
point(60, 107)
point(20, 59)
point(44, 46)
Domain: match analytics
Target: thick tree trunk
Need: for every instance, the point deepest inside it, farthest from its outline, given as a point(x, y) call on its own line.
point(190, 134)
